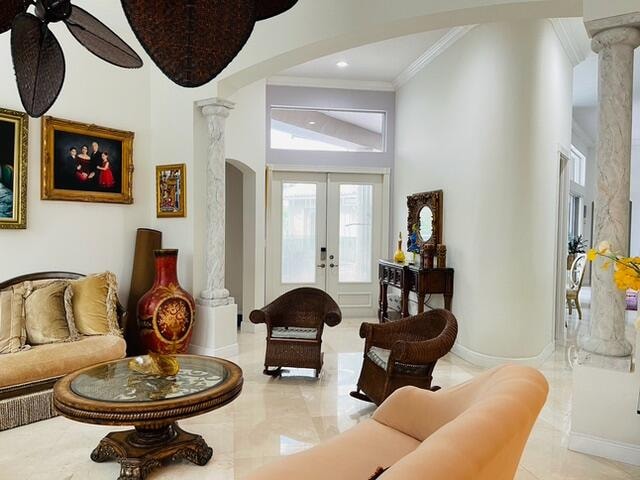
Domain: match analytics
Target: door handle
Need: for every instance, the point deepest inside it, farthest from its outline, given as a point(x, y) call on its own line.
point(322, 265)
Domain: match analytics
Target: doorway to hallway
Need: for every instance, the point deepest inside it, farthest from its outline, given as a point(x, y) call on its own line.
point(325, 230)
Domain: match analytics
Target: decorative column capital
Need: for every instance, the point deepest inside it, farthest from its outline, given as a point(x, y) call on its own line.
point(629, 36)
point(216, 107)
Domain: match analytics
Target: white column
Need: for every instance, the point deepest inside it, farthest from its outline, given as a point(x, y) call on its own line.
point(215, 330)
point(216, 112)
point(615, 49)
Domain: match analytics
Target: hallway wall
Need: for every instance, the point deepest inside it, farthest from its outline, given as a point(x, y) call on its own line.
point(485, 122)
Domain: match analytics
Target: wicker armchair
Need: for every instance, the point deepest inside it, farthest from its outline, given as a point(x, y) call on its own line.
point(295, 322)
point(403, 353)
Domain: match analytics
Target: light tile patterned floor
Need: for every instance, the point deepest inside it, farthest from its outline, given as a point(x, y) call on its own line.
point(275, 417)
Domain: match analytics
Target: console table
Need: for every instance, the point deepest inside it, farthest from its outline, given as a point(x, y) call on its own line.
point(412, 278)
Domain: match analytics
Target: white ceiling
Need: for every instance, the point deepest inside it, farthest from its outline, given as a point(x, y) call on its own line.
point(368, 120)
point(585, 96)
point(380, 62)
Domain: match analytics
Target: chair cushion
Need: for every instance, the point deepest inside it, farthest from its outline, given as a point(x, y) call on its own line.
point(380, 356)
point(299, 333)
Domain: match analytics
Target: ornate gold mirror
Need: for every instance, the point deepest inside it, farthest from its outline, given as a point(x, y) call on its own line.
point(425, 219)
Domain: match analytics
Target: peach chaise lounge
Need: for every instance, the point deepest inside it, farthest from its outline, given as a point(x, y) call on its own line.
point(474, 431)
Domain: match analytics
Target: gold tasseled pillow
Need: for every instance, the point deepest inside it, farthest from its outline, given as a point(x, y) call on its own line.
point(95, 304)
point(45, 313)
point(12, 331)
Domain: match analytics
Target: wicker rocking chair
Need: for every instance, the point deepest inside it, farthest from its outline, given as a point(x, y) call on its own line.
point(295, 322)
point(403, 353)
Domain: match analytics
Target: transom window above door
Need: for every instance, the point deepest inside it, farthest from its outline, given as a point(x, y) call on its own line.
point(328, 130)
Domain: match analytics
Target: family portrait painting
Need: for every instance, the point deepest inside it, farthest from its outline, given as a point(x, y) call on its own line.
point(13, 168)
point(86, 162)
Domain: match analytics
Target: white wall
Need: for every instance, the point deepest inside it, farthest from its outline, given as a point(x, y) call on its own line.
point(484, 122)
point(83, 237)
point(246, 139)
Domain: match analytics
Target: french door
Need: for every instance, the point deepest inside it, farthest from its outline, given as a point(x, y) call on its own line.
point(325, 231)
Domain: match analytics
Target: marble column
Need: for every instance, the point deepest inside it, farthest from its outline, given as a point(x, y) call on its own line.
point(215, 294)
point(615, 49)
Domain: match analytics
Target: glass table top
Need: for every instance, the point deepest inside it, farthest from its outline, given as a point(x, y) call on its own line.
point(115, 382)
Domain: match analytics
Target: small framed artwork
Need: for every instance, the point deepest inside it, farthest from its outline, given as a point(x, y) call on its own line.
point(171, 190)
point(86, 163)
point(14, 140)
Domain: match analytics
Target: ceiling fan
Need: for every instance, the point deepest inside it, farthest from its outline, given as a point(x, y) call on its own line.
point(191, 41)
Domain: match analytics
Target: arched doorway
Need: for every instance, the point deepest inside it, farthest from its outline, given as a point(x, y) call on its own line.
point(240, 246)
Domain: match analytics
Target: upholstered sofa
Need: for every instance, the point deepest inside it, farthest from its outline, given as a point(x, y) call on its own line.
point(474, 431)
point(27, 376)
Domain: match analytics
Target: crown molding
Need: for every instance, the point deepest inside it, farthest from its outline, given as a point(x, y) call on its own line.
point(286, 81)
point(446, 41)
point(575, 52)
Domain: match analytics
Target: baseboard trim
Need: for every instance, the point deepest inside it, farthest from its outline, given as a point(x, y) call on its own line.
point(488, 361)
point(228, 351)
point(602, 447)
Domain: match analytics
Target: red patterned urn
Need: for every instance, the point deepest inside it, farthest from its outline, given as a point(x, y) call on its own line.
point(166, 312)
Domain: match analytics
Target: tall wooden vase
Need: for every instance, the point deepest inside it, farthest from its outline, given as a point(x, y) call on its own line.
point(166, 312)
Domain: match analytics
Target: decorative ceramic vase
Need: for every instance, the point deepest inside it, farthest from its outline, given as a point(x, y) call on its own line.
point(166, 312)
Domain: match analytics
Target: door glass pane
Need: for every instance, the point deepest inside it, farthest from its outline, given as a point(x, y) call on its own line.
point(356, 231)
point(298, 233)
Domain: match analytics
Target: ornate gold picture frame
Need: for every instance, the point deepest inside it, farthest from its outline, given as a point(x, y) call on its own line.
point(171, 191)
point(14, 144)
point(424, 222)
point(86, 163)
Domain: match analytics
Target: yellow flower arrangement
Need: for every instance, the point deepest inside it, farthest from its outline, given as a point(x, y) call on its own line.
point(626, 273)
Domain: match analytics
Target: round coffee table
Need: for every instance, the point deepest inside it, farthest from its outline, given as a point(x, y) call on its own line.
point(111, 394)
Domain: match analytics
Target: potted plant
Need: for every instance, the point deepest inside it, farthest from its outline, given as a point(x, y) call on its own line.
point(577, 245)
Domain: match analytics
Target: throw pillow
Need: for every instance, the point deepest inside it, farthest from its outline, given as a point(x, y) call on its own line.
point(95, 304)
point(12, 333)
point(379, 471)
point(45, 313)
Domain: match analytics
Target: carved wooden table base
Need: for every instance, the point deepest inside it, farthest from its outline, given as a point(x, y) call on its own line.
point(141, 450)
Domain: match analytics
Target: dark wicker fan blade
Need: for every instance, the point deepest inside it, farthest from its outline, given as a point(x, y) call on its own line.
point(8, 11)
point(191, 41)
point(100, 40)
point(271, 8)
point(39, 63)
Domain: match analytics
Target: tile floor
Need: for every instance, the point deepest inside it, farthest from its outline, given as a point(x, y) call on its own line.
point(275, 417)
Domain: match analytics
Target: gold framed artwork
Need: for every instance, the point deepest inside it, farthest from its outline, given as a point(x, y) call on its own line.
point(86, 163)
point(14, 142)
point(171, 190)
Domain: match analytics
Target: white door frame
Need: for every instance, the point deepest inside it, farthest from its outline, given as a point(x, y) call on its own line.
point(562, 231)
point(386, 196)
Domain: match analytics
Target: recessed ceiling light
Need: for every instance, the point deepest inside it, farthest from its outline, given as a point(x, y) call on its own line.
point(312, 123)
point(342, 64)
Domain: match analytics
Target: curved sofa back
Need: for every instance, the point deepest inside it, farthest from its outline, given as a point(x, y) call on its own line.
point(474, 431)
